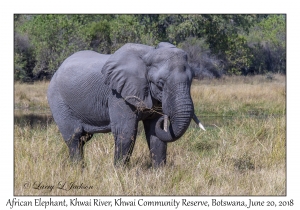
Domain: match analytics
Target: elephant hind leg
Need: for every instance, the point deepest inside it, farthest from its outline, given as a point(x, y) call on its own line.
point(74, 136)
point(70, 128)
point(76, 143)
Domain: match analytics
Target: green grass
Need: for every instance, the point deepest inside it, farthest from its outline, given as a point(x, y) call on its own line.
point(243, 154)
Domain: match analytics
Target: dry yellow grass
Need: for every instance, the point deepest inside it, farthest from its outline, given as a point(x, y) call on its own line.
point(243, 155)
point(255, 95)
point(31, 96)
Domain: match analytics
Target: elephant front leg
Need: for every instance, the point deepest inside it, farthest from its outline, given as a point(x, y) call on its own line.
point(124, 132)
point(123, 148)
point(124, 123)
point(158, 148)
point(158, 151)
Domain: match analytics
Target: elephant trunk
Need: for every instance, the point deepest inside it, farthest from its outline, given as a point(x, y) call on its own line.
point(180, 109)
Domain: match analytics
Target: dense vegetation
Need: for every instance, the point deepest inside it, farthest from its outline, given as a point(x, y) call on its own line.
point(216, 44)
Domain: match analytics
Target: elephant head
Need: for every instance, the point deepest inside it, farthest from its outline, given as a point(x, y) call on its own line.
point(142, 74)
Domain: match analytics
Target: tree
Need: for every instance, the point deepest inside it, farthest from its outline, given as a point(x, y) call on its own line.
point(267, 41)
point(228, 44)
point(24, 60)
point(54, 37)
point(221, 33)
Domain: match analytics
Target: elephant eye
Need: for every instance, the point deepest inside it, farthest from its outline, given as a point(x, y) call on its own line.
point(160, 83)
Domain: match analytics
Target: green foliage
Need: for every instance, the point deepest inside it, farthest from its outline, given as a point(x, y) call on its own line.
point(54, 38)
point(267, 41)
point(99, 35)
point(23, 55)
point(231, 44)
point(237, 56)
point(20, 72)
point(125, 29)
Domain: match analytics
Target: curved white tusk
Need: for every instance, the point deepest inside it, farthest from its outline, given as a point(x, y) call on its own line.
point(165, 122)
point(197, 121)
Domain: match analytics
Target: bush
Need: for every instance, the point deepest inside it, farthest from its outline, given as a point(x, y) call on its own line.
point(23, 58)
point(267, 41)
point(53, 38)
point(100, 40)
point(216, 44)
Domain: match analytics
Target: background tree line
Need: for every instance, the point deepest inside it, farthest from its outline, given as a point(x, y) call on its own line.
point(216, 44)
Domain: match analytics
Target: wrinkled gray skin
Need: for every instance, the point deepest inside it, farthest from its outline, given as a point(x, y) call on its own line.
point(94, 93)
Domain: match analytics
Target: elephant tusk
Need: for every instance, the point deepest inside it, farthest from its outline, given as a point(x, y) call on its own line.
point(165, 122)
point(197, 121)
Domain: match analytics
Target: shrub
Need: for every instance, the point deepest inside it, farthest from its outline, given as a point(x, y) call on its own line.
point(267, 41)
point(222, 44)
point(23, 58)
point(53, 38)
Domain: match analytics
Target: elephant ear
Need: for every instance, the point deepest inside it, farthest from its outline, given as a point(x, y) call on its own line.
point(125, 72)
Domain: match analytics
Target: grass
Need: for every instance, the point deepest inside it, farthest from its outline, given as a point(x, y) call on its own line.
point(31, 96)
point(233, 96)
point(243, 154)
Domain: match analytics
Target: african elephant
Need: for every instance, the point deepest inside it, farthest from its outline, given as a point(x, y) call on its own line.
point(95, 93)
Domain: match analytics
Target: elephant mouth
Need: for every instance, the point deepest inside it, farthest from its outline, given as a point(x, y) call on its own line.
point(178, 110)
point(195, 118)
point(172, 125)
